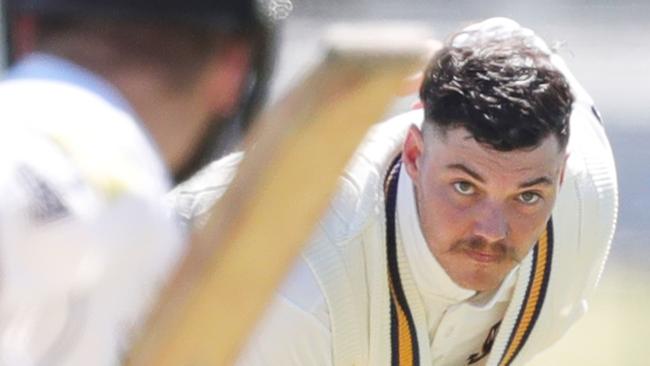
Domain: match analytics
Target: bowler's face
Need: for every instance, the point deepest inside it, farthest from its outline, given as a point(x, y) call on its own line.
point(481, 210)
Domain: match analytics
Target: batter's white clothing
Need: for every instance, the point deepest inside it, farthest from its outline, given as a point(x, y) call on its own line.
point(85, 238)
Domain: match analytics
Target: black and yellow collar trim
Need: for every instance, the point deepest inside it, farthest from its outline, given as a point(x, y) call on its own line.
point(533, 301)
point(404, 342)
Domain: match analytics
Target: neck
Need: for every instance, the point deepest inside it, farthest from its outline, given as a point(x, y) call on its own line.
point(163, 112)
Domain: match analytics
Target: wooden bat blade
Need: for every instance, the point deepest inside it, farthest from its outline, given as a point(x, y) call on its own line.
point(295, 155)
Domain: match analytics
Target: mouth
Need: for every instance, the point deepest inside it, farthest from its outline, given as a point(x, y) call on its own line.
point(483, 257)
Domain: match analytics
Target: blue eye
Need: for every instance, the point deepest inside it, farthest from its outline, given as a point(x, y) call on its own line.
point(529, 198)
point(464, 188)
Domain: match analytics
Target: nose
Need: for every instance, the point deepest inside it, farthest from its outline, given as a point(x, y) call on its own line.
point(491, 223)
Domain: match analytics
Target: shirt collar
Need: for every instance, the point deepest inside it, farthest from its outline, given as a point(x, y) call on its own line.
point(48, 67)
point(431, 279)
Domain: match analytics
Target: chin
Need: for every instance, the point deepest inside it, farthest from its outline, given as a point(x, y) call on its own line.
point(478, 281)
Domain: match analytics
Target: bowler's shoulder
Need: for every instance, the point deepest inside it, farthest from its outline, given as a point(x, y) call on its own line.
point(584, 217)
point(591, 169)
point(359, 196)
point(356, 196)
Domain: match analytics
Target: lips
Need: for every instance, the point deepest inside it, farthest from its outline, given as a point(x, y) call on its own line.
point(483, 257)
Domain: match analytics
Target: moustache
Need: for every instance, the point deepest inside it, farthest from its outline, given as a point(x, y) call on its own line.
point(499, 249)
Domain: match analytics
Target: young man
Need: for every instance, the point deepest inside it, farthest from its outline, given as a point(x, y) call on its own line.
point(470, 234)
point(106, 101)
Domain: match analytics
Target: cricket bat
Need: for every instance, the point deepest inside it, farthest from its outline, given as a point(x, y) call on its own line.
point(294, 155)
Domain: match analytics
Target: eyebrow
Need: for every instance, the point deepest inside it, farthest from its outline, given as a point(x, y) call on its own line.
point(533, 182)
point(467, 170)
point(544, 180)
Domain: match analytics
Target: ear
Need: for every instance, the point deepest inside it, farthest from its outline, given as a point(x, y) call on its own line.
point(226, 77)
point(412, 152)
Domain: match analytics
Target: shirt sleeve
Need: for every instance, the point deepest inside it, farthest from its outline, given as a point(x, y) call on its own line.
point(599, 194)
point(295, 330)
point(288, 336)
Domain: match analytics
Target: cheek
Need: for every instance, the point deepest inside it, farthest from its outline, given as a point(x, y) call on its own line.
point(443, 220)
point(524, 230)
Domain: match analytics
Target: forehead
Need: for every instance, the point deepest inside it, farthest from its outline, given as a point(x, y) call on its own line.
point(457, 146)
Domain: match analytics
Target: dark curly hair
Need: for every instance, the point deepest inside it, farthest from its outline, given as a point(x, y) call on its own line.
point(504, 90)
